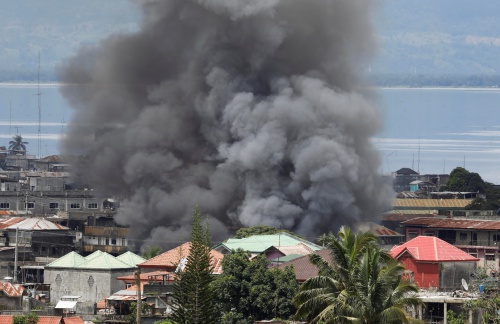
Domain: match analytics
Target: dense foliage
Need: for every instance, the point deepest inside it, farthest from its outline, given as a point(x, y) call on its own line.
point(361, 284)
point(462, 180)
point(248, 290)
point(193, 293)
point(31, 318)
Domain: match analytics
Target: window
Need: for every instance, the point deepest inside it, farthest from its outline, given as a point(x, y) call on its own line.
point(496, 237)
point(29, 205)
point(92, 206)
point(490, 257)
point(4, 205)
point(412, 234)
point(53, 205)
point(113, 241)
point(74, 206)
point(431, 233)
point(474, 254)
point(463, 236)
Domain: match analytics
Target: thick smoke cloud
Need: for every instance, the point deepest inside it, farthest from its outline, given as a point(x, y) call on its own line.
point(253, 110)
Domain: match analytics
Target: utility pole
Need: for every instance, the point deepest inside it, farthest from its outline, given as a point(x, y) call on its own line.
point(15, 255)
point(139, 296)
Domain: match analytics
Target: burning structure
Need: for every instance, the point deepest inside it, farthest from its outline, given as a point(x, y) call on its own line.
point(254, 110)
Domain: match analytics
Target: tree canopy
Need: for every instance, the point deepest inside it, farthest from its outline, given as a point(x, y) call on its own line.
point(462, 180)
point(362, 284)
point(248, 290)
point(17, 145)
point(193, 294)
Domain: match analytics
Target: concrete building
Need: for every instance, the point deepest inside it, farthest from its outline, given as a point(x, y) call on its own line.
point(93, 278)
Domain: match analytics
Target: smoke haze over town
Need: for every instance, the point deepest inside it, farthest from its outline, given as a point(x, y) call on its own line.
point(256, 111)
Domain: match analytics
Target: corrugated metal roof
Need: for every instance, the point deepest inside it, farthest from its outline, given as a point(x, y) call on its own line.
point(260, 243)
point(454, 223)
point(66, 304)
point(131, 259)
point(70, 260)
point(6, 319)
point(29, 224)
point(431, 249)
point(171, 258)
point(432, 203)
point(303, 268)
point(104, 261)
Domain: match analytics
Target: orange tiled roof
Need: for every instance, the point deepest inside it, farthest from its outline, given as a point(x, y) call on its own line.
point(73, 320)
point(169, 260)
point(8, 319)
point(49, 320)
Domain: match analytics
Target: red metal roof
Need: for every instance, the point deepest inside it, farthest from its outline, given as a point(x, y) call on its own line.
point(431, 249)
point(6, 319)
point(454, 223)
point(169, 259)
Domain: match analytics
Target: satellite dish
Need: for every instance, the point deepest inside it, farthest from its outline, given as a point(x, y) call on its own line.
point(465, 285)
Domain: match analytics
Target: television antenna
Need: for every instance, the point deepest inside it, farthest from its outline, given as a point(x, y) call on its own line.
point(39, 94)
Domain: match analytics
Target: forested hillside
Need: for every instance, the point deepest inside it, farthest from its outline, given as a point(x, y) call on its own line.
point(422, 42)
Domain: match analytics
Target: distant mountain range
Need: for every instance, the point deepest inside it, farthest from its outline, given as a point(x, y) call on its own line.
point(422, 42)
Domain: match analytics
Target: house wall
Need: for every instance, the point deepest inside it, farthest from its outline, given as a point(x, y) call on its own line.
point(425, 275)
point(77, 282)
point(11, 303)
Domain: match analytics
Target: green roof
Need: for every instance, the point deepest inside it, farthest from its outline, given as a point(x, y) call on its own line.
point(287, 258)
point(260, 243)
point(70, 260)
point(104, 261)
point(93, 255)
point(131, 259)
point(97, 260)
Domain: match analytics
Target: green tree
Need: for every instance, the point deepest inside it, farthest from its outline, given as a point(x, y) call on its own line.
point(17, 145)
point(151, 251)
point(193, 294)
point(462, 180)
point(31, 318)
point(248, 290)
point(452, 318)
point(362, 284)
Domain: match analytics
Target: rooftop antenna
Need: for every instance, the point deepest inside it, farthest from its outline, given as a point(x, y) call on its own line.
point(10, 117)
point(418, 156)
point(39, 94)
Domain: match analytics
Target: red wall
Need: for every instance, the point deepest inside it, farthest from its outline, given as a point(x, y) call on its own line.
point(425, 275)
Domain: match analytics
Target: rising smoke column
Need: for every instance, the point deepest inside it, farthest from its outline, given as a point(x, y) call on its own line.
point(254, 110)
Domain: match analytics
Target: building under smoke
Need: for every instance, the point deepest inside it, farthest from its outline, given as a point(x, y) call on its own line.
point(254, 110)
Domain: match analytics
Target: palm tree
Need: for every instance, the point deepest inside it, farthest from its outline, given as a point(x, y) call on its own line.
point(17, 145)
point(362, 284)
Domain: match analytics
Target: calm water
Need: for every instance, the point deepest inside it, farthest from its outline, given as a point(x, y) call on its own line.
point(436, 130)
point(19, 115)
point(429, 130)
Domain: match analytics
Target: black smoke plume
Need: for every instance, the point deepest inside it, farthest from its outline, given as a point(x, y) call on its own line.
point(255, 110)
